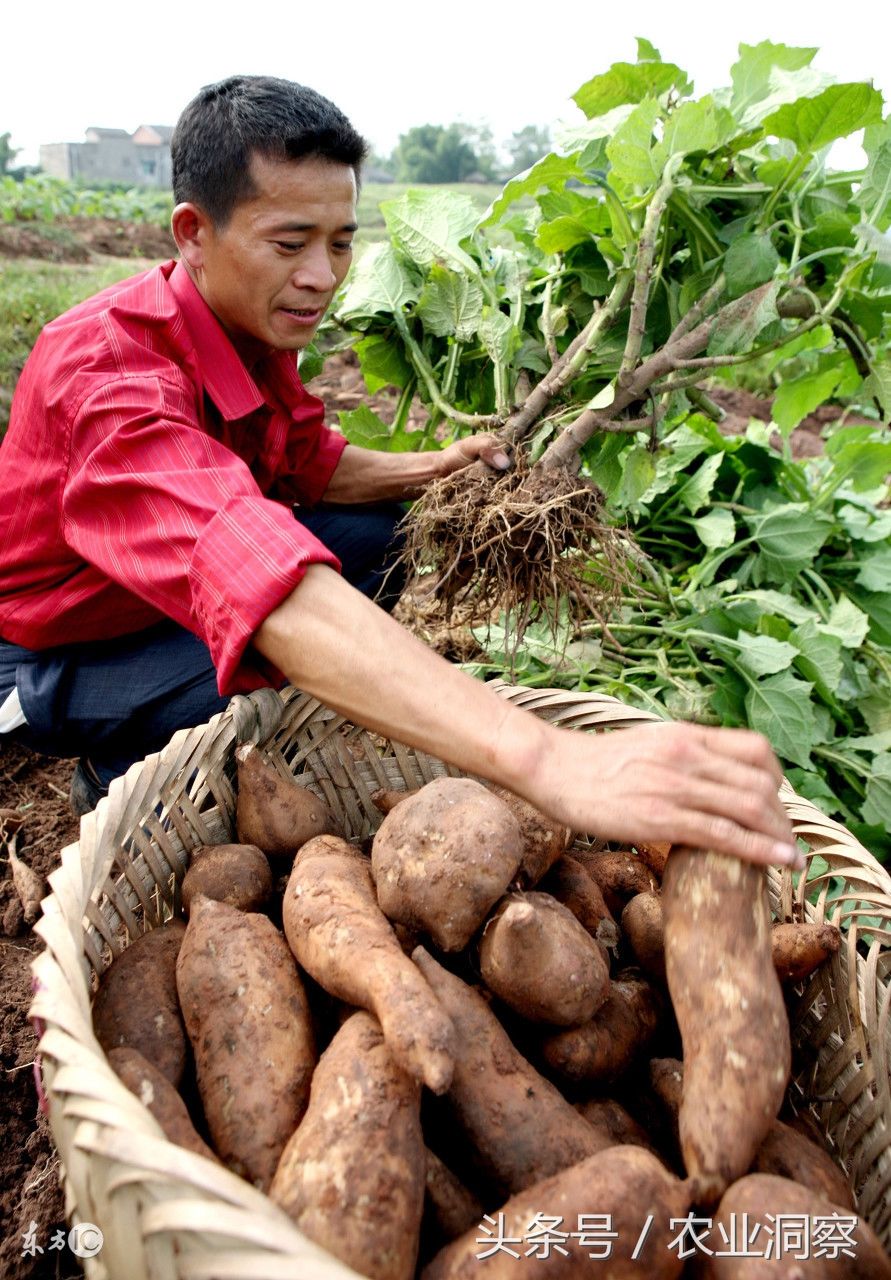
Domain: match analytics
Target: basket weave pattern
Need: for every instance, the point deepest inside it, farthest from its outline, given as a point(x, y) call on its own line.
point(166, 1213)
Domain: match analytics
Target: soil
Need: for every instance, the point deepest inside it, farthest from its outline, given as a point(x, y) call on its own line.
point(79, 239)
point(29, 1168)
point(38, 787)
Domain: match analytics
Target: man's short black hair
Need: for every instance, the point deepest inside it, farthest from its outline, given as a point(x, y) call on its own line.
point(226, 123)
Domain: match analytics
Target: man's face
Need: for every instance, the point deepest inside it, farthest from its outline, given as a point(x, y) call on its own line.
point(270, 273)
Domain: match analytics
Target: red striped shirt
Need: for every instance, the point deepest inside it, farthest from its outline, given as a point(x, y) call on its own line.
point(147, 473)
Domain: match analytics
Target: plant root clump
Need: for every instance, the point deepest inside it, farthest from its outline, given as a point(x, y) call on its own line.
point(527, 541)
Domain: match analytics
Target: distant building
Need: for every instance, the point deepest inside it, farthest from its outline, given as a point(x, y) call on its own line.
point(140, 159)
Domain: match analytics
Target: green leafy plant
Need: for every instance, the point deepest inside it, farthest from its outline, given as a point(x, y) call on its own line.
point(671, 242)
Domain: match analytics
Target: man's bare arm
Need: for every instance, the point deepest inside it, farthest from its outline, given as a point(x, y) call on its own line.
point(711, 788)
point(367, 475)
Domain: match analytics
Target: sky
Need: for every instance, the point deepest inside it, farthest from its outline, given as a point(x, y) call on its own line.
point(392, 64)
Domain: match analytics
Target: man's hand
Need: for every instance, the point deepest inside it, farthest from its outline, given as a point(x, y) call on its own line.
point(708, 788)
point(481, 448)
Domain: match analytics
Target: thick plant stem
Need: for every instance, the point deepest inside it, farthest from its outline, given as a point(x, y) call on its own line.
point(640, 297)
point(421, 364)
point(681, 346)
point(567, 367)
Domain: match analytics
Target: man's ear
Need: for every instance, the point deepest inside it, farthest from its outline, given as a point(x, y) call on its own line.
point(190, 226)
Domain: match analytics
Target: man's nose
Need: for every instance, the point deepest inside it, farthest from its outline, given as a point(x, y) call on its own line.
point(314, 270)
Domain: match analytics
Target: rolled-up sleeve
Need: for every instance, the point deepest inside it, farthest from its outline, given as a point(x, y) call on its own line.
point(177, 518)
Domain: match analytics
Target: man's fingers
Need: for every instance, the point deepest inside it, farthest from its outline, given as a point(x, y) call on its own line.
point(744, 746)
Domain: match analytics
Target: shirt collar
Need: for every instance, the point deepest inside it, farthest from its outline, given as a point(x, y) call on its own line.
point(225, 378)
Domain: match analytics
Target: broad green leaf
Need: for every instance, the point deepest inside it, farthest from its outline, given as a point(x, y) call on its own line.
point(552, 171)
point(695, 492)
point(576, 136)
point(847, 622)
point(590, 219)
point(694, 126)
point(872, 742)
point(363, 427)
point(862, 461)
point(751, 260)
point(877, 605)
point(874, 194)
point(878, 385)
point(310, 363)
point(814, 787)
point(863, 524)
point(629, 82)
point(382, 363)
point(450, 305)
point(630, 148)
point(797, 397)
point(647, 52)
point(379, 283)
point(497, 335)
point(740, 322)
point(875, 569)
point(780, 708)
point(877, 805)
point(812, 123)
point(764, 656)
point(879, 242)
point(716, 530)
point(786, 89)
point(729, 698)
point(430, 225)
point(819, 656)
point(751, 74)
point(638, 473)
point(789, 538)
point(777, 602)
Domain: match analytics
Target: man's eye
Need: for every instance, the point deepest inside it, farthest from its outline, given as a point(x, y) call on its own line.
point(343, 246)
point(288, 246)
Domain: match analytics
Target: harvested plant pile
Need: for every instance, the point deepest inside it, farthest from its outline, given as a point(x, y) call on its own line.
point(419, 1051)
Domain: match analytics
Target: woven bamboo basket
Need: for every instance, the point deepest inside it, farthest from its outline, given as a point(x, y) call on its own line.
point(167, 1213)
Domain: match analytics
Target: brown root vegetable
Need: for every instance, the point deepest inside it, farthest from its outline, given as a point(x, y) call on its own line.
point(342, 939)
point(136, 1005)
point(619, 874)
point(800, 948)
point(386, 799)
point(537, 958)
point(158, 1096)
point(730, 1011)
point(352, 1175)
point(785, 1151)
point(655, 854)
point(276, 814)
point(764, 1197)
point(601, 1050)
point(248, 1019)
point(443, 858)
point(618, 1126)
point(544, 840)
point(569, 883)
point(27, 884)
point(450, 1208)
point(644, 929)
point(237, 874)
point(521, 1127)
point(623, 1186)
point(789, 1154)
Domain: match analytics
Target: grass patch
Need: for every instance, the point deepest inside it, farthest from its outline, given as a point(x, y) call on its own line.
point(33, 293)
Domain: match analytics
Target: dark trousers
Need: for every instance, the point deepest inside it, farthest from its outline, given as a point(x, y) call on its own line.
point(118, 700)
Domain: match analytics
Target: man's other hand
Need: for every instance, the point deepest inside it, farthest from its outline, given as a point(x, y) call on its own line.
point(480, 448)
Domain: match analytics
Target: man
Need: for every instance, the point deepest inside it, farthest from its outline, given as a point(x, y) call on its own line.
point(151, 563)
